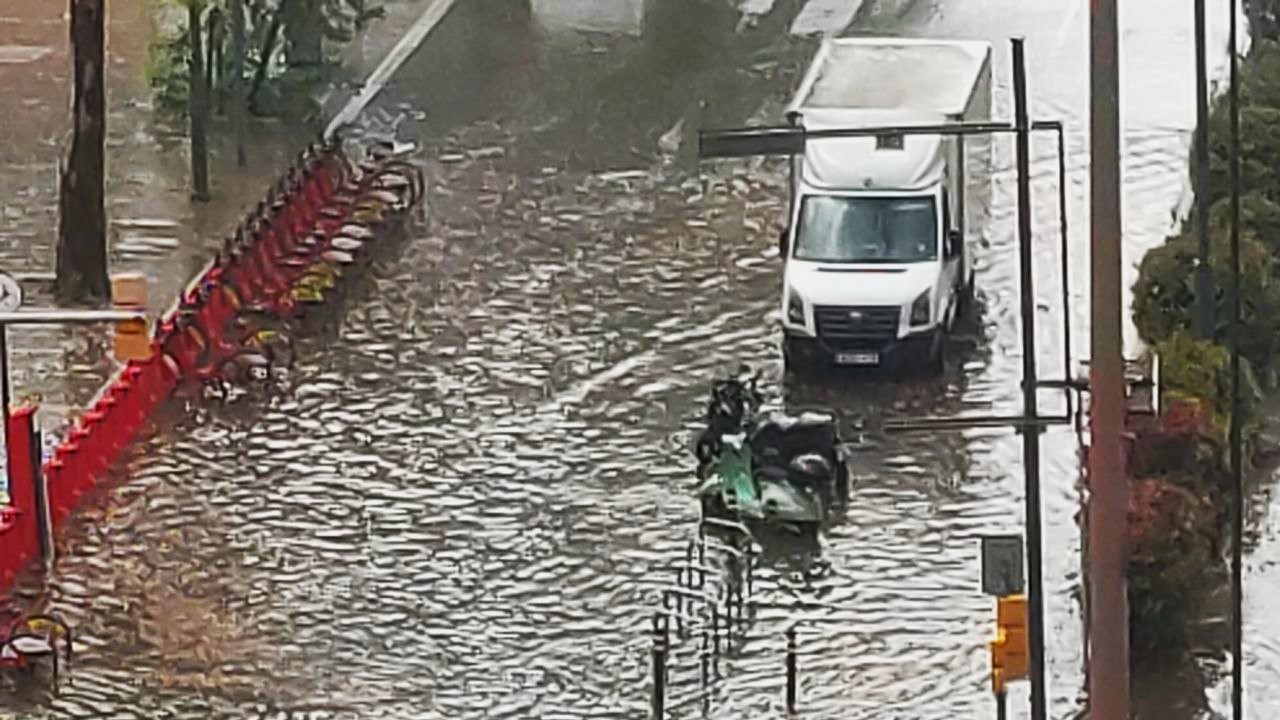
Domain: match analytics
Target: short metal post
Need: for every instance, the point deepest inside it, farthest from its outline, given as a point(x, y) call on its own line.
point(791, 670)
point(4, 404)
point(1002, 712)
point(715, 626)
point(702, 546)
point(659, 670)
point(44, 517)
point(751, 568)
point(680, 605)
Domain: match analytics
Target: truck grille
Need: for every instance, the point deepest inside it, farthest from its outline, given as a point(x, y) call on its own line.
point(856, 327)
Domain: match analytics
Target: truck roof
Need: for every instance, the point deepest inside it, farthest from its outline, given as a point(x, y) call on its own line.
point(857, 163)
point(928, 76)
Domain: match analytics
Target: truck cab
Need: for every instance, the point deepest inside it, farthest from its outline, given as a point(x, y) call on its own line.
point(877, 267)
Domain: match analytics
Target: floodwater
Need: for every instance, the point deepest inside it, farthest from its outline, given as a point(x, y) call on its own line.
point(467, 502)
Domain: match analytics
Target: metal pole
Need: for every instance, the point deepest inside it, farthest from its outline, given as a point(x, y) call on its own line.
point(659, 670)
point(1065, 250)
point(4, 404)
point(1031, 435)
point(1002, 710)
point(1204, 279)
point(1108, 492)
point(1237, 472)
point(791, 670)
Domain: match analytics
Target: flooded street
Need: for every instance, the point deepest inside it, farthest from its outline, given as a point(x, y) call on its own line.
point(467, 502)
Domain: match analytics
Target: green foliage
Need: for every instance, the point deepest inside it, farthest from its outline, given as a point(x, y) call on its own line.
point(169, 74)
point(1164, 294)
point(277, 86)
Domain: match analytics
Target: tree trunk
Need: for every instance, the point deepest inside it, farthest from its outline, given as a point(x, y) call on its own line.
point(213, 60)
point(304, 32)
point(238, 100)
point(82, 218)
point(264, 59)
point(199, 107)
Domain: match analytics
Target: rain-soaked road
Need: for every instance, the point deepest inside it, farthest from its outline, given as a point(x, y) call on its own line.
point(465, 504)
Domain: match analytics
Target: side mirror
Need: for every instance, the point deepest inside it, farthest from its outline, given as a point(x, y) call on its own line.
point(782, 243)
point(955, 243)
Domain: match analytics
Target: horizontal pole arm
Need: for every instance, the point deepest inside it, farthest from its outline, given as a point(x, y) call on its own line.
point(790, 140)
point(70, 317)
point(979, 421)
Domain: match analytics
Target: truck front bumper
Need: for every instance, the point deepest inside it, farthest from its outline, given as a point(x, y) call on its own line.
point(911, 350)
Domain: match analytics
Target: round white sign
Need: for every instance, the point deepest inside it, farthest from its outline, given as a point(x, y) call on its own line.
point(10, 294)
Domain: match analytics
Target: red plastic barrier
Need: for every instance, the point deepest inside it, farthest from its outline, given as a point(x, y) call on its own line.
point(191, 341)
point(19, 541)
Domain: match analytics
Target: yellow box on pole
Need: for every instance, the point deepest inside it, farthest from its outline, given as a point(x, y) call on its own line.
point(131, 340)
point(1010, 651)
point(129, 292)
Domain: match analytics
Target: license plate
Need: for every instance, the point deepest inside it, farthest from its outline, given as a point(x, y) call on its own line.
point(857, 359)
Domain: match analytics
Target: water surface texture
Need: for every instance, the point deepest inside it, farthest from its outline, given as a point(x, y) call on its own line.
point(466, 502)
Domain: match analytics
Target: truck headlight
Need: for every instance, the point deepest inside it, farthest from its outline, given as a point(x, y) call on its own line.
point(920, 309)
point(795, 309)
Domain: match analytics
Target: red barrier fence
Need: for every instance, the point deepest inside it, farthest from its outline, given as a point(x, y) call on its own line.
point(19, 536)
point(322, 213)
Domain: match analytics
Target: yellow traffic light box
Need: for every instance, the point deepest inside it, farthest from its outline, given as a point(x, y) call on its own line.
point(1010, 653)
point(129, 292)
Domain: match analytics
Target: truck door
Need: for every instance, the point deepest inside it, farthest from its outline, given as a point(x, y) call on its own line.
point(952, 247)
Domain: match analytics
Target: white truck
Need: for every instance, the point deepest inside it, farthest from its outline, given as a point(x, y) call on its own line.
point(877, 251)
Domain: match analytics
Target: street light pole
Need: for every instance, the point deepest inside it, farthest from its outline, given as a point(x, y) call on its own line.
point(1108, 486)
point(1204, 324)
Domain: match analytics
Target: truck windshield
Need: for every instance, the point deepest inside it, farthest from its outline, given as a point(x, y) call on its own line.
point(867, 229)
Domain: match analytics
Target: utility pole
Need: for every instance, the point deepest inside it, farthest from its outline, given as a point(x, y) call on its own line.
point(1237, 416)
point(1108, 487)
point(82, 217)
point(1204, 312)
point(1030, 386)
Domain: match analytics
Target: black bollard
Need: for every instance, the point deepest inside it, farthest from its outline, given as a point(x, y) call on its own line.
point(751, 568)
point(791, 670)
point(659, 678)
point(702, 547)
point(680, 604)
point(1002, 712)
point(715, 627)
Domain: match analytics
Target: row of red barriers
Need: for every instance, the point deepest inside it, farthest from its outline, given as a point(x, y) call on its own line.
point(275, 248)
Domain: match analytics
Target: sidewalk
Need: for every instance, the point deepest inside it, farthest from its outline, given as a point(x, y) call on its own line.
point(153, 227)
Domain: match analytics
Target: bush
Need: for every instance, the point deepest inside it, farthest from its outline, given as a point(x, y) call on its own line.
point(1164, 294)
point(1170, 567)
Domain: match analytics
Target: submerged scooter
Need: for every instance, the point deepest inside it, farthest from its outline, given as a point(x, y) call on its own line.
point(775, 468)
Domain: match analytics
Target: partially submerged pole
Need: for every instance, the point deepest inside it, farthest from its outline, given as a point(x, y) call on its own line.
point(791, 670)
point(1031, 433)
point(1108, 486)
point(659, 667)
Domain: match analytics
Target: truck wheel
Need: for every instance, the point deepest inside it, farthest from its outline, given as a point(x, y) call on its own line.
point(937, 362)
point(792, 360)
point(966, 297)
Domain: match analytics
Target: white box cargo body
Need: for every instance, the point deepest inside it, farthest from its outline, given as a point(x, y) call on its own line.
point(878, 261)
